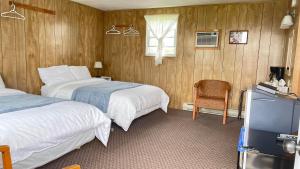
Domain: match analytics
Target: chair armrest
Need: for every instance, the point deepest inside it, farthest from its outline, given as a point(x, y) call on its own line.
point(5, 151)
point(196, 85)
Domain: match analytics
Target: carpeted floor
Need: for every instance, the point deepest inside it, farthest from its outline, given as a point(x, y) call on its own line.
point(162, 141)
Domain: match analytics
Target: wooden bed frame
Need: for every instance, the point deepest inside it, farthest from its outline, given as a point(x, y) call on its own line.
point(5, 151)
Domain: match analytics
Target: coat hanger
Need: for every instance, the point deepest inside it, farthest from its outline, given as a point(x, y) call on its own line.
point(113, 31)
point(131, 32)
point(13, 13)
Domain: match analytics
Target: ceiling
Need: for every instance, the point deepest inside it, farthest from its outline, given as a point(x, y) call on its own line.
point(141, 4)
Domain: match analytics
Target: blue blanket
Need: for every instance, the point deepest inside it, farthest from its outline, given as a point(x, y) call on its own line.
point(99, 94)
point(24, 101)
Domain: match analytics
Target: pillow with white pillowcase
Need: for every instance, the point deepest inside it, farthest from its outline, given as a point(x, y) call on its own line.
point(2, 85)
point(80, 72)
point(56, 74)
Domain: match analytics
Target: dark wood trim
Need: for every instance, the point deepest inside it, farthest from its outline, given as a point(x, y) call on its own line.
point(33, 8)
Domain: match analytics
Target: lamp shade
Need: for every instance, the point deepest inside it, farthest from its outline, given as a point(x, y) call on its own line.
point(98, 65)
point(287, 22)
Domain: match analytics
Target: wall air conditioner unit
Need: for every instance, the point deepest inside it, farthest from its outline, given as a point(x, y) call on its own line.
point(207, 39)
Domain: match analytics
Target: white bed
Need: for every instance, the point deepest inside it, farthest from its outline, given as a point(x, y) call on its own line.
point(124, 105)
point(39, 135)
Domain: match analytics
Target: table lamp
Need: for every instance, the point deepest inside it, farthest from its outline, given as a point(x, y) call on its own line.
point(98, 65)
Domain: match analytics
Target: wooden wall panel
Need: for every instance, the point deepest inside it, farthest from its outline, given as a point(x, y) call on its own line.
point(187, 79)
point(264, 52)
point(32, 47)
point(239, 55)
point(250, 59)
point(20, 53)
point(8, 49)
point(241, 65)
point(179, 59)
point(1, 58)
point(74, 36)
point(211, 21)
point(278, 36)
point(295, 77)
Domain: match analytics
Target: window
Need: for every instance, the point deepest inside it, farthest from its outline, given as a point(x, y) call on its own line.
point(161, 34)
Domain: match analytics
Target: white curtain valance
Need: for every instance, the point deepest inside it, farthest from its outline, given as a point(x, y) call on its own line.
point(159, 26)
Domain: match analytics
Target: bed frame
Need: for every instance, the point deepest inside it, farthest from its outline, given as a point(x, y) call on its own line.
point(5, 151)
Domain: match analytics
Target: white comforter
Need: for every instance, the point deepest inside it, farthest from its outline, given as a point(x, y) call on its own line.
point(124, 105)
point(37, 129)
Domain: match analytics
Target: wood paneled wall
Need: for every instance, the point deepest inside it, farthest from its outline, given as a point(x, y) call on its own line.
point(73, 36)
point(295, 78)
point(241, 65)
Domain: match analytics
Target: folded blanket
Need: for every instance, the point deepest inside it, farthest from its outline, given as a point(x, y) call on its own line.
point(24, 101)
point(99, 94)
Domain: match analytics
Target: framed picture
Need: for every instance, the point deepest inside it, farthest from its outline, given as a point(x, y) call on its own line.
point(238, 37)
point(207, 39)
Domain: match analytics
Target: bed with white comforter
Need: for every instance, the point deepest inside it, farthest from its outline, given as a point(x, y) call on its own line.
point(36, 130)
point(124, 105)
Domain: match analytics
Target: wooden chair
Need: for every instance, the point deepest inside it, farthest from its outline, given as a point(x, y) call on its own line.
point(211, 94)
point(7, 164)
point(73, 167)
point(6, 157)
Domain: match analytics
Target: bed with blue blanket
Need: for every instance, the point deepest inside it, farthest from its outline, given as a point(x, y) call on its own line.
point(40, 129)
point(121, 101)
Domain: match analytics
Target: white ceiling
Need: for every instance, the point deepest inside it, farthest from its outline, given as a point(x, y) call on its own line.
point(140, 4)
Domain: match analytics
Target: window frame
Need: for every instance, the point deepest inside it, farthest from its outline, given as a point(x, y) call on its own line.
point(147, 44)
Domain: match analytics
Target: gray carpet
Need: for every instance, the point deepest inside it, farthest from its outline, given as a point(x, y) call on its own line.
point(162, 141)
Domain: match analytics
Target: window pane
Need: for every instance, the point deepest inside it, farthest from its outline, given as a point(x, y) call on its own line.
point(169, 42)
point(150, 33)
point(151, 51)
point(171, 34)
point(153, 42)
point(169, 51)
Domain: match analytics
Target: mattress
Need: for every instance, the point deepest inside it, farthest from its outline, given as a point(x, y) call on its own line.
point(38, 159)
point(39, 129)
point(124, 105)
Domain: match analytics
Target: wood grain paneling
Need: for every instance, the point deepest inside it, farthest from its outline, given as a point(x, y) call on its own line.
point(74, 36)
point(295, 77)
point(241, 65)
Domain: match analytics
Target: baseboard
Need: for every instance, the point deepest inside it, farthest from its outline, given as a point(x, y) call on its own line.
point(231, 112)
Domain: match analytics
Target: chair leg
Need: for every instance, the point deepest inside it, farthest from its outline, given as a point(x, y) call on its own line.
point(195, 112)
point(225, 116)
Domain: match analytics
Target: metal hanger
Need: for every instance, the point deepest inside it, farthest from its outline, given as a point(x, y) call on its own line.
point(113, 31)
point(131, 32)
point(13, 12)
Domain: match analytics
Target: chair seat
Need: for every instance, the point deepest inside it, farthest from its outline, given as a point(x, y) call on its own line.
point(211, 102)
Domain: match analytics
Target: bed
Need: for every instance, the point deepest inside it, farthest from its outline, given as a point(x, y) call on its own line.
point(124, 104)
point(41, 132)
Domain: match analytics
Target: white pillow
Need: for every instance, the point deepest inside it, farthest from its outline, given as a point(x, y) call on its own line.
point(56, 74)
point(80, 72)
point(2, 85)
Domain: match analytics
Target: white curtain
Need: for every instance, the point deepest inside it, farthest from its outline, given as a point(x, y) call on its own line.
point(159, 26)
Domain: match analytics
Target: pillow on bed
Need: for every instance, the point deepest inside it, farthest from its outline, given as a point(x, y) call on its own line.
point(80, 72)
point(2, 85)
point(56, 74)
